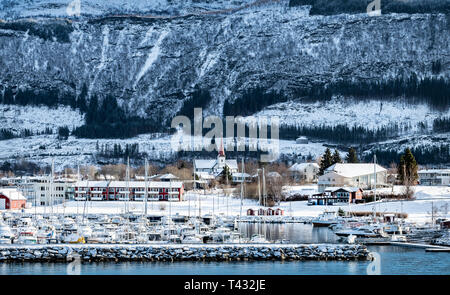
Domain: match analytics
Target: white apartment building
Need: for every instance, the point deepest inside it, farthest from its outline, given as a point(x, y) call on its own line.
point(434, 177)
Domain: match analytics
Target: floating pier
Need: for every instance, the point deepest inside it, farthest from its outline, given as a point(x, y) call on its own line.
point(181, 252)
point(427, 247)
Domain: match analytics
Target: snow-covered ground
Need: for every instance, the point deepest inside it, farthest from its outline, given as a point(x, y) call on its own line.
point(38, 118)
point(215, 202)
point(81, 151)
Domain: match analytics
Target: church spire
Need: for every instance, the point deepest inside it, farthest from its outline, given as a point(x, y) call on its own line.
point(221, 150)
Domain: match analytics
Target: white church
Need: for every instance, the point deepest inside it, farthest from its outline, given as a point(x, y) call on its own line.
point(209, 169)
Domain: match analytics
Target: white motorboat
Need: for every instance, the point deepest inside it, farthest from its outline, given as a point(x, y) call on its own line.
point(325, 219)
point(6, 235)
point(27, 236)
point(192, 239)
point(46, 234)
point(258, 239)
point(103, 237)
point(362, 232)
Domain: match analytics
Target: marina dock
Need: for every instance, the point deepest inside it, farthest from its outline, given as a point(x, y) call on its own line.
point(427, 247)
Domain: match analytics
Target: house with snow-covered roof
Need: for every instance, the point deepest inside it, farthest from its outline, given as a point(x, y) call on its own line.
point(361, 175)
point(306, 172)
point(337, 196)
point(11, 198)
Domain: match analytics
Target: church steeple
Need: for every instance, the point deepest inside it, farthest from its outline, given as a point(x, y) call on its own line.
point(221, 150)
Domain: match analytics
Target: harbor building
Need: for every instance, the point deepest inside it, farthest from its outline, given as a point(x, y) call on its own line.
point(361, 175)
point(11, 198)
point(129, 190)
point(434, 177)
point(337, 196)
point(42, 190)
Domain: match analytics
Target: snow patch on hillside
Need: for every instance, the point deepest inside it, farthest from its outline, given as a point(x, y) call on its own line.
point(371, 114)
point(38, 118)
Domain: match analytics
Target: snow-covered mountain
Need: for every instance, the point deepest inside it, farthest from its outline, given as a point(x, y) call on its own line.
point(13, 9)
point(152, 58)
point(151, 64)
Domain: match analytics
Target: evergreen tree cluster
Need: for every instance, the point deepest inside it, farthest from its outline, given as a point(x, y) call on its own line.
point(118, 152)
point(200, 98)
point(49, 97)
point(341, 133)
point(108, 120)
point(441, 124)
point(433, 91)
point(329, 159)
point(326, 7)
point(20, 168)
point(46, 31)
point(63, 132)
point(252, 101)
point(6, 133)
point(438, 155)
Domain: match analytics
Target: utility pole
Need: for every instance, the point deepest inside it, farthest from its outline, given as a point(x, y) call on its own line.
point(264, 188)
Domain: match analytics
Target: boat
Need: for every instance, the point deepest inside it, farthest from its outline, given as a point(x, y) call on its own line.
point(27, 236)
point(221, 234)
point(364, 234)
point(325, 219)
point(359, 232)
point(74, 238)
point(192, 239)
point(102, 237)
point(6, 235)
point(258, 239)
point(46, 234)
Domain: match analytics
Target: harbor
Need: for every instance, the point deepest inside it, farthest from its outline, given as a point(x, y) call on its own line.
point(159, 221)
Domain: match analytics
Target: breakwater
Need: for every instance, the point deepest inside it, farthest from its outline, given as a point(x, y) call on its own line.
point(180, 252)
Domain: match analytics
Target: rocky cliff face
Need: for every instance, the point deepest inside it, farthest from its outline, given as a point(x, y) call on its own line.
point(152, 64)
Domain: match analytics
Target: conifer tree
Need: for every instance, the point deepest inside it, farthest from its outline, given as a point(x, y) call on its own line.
point(327, 161)
point(407, 169)
point(336, 157)
point(351, 156)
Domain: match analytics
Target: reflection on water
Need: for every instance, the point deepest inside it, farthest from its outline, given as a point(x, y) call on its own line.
point(295, 232)
point(394, 260)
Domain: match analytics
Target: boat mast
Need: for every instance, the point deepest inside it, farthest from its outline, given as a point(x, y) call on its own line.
point(226, 196)
point(127, 181)
point(51, 185)
point(242, 189)
point(87, 196)
point(146, 187)
point(170, 207)
point(259, 187)
point(375, 183)
point(193, 189)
